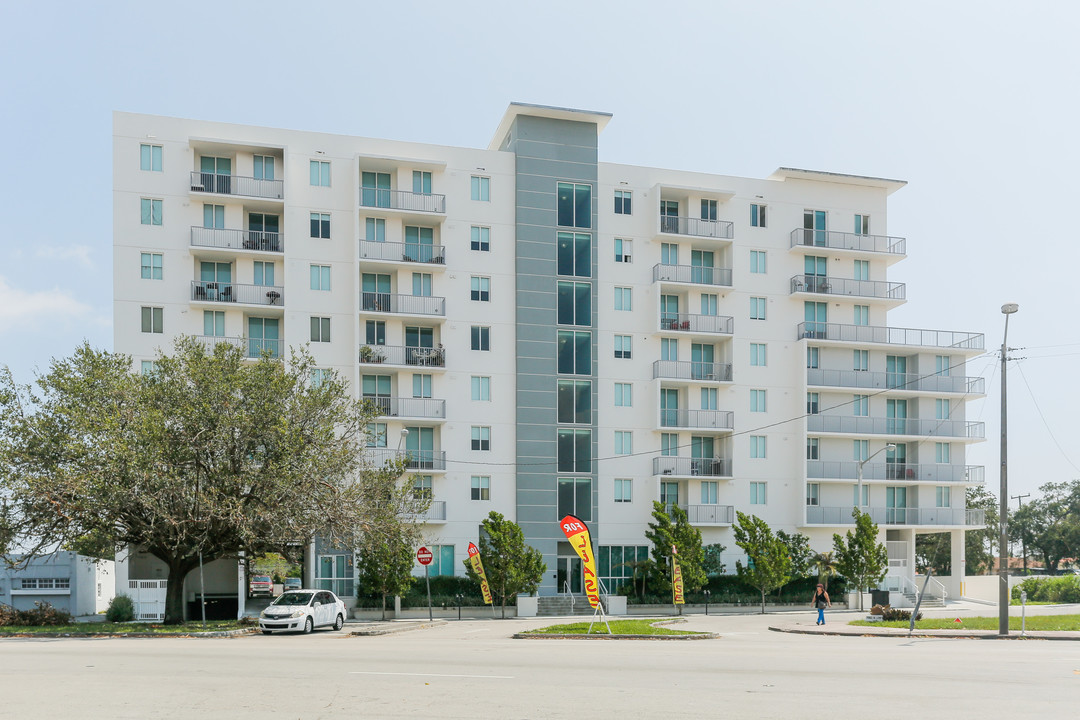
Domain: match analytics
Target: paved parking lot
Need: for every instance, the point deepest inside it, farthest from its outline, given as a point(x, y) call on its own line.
point(472, 668)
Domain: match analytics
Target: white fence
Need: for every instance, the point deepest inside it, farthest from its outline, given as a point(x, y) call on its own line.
point(149, 599)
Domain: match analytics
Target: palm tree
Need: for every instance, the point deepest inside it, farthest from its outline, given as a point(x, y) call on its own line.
point(825, 564)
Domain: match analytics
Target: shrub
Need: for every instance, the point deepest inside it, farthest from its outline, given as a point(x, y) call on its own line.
point(890, 613)
point(43, 614)
point(121, 609)
point(1065, 589)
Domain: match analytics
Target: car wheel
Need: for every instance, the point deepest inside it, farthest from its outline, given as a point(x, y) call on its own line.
point(339, 623)
point(308, 625)
point(266, 632)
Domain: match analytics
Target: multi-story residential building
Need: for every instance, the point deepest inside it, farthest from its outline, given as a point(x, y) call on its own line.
point(545, 333)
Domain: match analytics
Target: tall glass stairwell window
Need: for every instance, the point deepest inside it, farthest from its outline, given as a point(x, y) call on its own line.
point(375, 189)
point(418, 243)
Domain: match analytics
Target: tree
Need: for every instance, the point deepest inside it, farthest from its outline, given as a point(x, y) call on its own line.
point(933, 551)
point(210, 454)
point(385, 565)
point(980, 545)
point(1050, 525)
point(859, 556)
point(713, 564)
point(511, 566)
point(674, 528)
point(798, 547)
point(770, 565)
point(824, 563)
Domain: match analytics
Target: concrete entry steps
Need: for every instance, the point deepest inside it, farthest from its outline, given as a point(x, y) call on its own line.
point(560, 605)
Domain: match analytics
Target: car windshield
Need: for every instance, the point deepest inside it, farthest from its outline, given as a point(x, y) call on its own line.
point(262, 578)
point(293, 598)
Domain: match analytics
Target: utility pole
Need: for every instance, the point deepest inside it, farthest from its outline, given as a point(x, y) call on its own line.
point(1003, 550)
point(1023, 542)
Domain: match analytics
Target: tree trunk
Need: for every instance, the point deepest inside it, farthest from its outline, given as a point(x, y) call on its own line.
point(174, 593)
point(383, 606)
point(763, 601)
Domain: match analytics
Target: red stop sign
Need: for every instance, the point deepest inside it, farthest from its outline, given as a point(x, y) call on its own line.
point(423, 556)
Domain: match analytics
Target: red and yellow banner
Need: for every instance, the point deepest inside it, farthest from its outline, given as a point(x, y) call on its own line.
point(578, 534)
point(676, 581)
point(478, 568)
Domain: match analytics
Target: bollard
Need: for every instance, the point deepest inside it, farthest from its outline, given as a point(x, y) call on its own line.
point(1023, 612)
point(707, 594)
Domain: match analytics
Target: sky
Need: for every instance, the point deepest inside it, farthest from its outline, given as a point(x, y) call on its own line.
point(973, 103)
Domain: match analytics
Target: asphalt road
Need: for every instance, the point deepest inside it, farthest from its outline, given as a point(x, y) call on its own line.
point(472, 669)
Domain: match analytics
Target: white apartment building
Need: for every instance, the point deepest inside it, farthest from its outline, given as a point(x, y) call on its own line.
point(545, 333)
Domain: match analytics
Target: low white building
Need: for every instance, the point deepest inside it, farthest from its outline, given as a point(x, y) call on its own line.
point(68, 581)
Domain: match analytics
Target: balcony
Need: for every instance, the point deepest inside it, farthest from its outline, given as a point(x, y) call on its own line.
point(722, 420)
point(697, 227)
point(923, 427)
point(684, 467)
point(436, 512)
point(820, 285)
point(403, 252)
point(402, 200)
point(896, 472)
point(258, 347)
point(222, 239)
point(835, 240)
point(872, 334)
point(911, 382)
point(692, 371)
point(236, 185)
point(414, 459)
point(403, 356)
point(692, 274)
point(684, 322)
point(212, 341)
point(409, 407)
point(229, 292)
point(958, 517)
point(402, 304)
point(709, 514)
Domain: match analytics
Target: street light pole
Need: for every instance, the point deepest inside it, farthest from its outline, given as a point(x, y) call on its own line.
point(858, 474)
point(1003, 541)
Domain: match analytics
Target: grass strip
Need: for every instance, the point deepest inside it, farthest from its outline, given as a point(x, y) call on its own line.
point(618, 627)
point(107, 628)
point(1051, 623)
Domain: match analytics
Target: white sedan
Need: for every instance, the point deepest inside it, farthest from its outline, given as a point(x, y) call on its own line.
point(303, 610)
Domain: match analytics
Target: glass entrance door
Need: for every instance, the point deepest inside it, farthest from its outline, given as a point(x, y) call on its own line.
point(569, 576)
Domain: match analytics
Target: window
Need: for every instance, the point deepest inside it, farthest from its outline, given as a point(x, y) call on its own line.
point(624, 490)
point(152, 319)
point(320, 227)
point(943, 496)
point(264, 273)
point(624, 250)
point(376, 435)
point(421, 385)
point(758, 355)
point(709, 398)
point(574, 254)
point(669, 254)
point(757, 215)
point(319, 376)
point(708, 210)
point(669, 444)
point(148, 367)
point(320, 329)
point(812, 492)
point(320, 277)
point(480, 188)
point(862, 270)
point(942, 365)
point(45, 583)
point(758, 261)
point(213, 216)
point(624, 395)
point(757, 446)
point(150, 266)
point(862, 224)
point(860, 360)
point(214, 323)
point(860, 450)
point(481, 437)
point(624, 298)
point(574, 205)
point(574, 450)
point(574, 352)
point(481, 487)
point(862, 315)
point(624, 442)
point(151, 211)
point(710, 492)
point(813, 403)
point(860, 406)
point(709, 304)
point(480, 288)
point(622, 346)
point(320, 173)
point(421, 487)
point(264, 167)
point(481, 388)
point(574, 303)
point(481, 238)
point(942, 453)
point(421, 182)
point(575, 497)
point(574, 401)
point(813, 448)
point(757, 308)
point(150, 157)
point(669, 349)
point(481, 337)
point(757, 400)
point(375, 332)
point(421, 284)
point(941, 409)
point(622, 202)
point(669, 493)
point(757, 493)
point(812, 357)
point(442, 560)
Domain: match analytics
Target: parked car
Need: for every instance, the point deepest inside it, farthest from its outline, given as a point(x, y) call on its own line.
point(261, 585)
point(303, 610)
point(293, 584)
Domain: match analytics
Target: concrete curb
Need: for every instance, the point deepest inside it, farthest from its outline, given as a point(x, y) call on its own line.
point(860, 631)
point(393, 628)
point(208, 634)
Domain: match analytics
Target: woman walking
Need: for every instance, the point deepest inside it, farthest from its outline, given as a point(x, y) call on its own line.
point(821, 601)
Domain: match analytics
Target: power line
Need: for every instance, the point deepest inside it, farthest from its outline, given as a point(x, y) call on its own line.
point(1020, 367)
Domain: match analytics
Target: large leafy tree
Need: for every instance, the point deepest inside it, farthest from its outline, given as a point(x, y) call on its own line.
point(511, 565)
point(385, 564)
point(1050, 525)
point(211, 454)
point(798, 546)
point(859, 556)
point(933, 551)
point(770, 565)
point(674, 528)
point(980, 546)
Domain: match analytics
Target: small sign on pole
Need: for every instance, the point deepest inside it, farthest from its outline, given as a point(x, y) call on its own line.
point(423, 556)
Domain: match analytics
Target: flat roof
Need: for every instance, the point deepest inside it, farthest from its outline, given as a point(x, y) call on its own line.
point(887, 184)
point(547, 111)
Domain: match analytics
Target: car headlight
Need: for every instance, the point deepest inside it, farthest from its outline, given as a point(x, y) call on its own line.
point(298, 613)
point(263, 614)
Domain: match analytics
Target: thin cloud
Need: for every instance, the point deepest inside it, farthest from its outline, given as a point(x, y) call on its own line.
point(23, 308)
point(73, 253)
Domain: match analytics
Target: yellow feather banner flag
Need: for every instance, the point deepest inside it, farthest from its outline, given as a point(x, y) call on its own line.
point(478, 568)
point(578, 534)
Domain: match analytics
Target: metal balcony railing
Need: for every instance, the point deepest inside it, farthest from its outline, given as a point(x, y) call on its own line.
point(911, 472)
point(436, 512)
point(710, 514)
point(723, 324)
point(889, 335)
point(402, 200)
point(237, 239)
point(896, 381)
point(845, 286)
point(402, 355)
point(849, 241)
point(926, 427)
point(403, 252)
point(230, 292)
point(403, 304)
point(694, 274)
point(692, 467)
point(698, 419)
point(257, 347)
point(689, 370)
point(961, 517)
point(212, 341)
point(414, 459)
point(237, 185)
point(697, 227)
point(409, 407)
